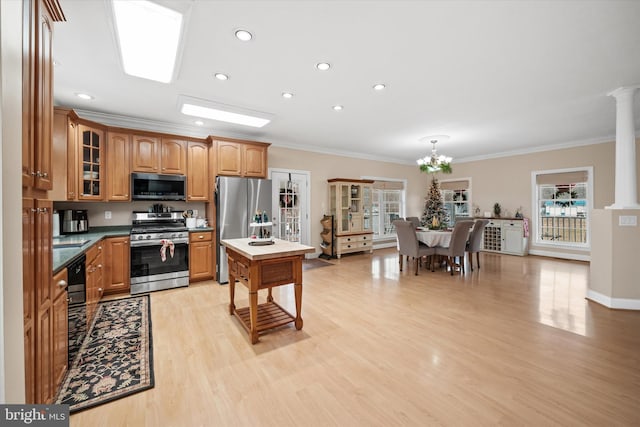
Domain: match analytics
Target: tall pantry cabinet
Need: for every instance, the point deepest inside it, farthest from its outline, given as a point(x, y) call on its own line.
point(44, 298)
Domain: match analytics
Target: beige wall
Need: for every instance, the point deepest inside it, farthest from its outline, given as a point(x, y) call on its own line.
point(506, 180)
point(11, 315)
point(325, 166)
point(614, 276)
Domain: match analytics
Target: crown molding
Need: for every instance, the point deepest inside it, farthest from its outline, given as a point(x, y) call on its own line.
point(537, 149)
point(138, 123)
point(116, 120)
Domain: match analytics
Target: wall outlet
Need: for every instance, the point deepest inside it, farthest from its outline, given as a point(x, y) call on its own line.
point(628, 221)
point(107, 214)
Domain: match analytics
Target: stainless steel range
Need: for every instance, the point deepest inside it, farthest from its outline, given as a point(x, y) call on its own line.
point(159, 251)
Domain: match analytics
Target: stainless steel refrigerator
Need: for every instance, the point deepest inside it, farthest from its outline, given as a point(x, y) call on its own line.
point(237, 200)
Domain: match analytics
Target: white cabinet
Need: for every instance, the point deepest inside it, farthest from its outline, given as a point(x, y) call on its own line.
point(505, 236)
point(351, 202)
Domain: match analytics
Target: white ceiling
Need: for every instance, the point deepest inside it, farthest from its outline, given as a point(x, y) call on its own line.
point(496, 76)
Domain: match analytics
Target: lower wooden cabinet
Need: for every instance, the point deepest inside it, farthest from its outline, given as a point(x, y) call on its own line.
point(117, 277)
point(60, 328)
point(200, 255)
point(93, 274)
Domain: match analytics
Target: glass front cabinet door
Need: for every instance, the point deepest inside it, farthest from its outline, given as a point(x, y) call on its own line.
point(91, 143)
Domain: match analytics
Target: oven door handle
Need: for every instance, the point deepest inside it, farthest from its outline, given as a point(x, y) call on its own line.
point(139, 243)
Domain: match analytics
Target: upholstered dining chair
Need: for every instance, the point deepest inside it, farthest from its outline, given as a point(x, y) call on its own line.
point(473, 244)
point(409, 245)
point(457, 245)
point(414, 220)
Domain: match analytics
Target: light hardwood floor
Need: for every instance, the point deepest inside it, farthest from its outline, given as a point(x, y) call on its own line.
point(515, 343)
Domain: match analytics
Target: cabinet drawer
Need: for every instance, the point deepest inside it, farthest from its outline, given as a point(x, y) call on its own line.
point(345, 246)
point(355, 238)
point(94, 251)
point(201, 237)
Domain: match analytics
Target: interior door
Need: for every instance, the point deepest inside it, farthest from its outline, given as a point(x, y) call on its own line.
point(290, 190)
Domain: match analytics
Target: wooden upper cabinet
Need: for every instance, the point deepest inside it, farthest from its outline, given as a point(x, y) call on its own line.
point(229, 158)
point(145, 154)
point(152, 154)
point(255, 161)
point(238, 158)
point(38, 93)
point(65, 147)
point(118, 161)
point(173, 159)
point(198, 171)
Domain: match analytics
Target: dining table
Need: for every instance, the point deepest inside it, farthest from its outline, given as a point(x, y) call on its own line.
point(433, 238)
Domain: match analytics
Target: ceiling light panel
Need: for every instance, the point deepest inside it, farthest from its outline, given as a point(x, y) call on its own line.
point(149, 36)
point(222, 112)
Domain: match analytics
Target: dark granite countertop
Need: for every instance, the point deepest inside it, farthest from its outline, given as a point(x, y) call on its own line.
point(62, 256)
point(198, 229)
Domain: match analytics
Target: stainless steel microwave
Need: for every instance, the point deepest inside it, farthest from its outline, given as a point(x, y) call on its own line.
point(153, 186)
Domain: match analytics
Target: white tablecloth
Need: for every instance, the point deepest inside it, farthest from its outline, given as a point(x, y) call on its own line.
point(434, 238)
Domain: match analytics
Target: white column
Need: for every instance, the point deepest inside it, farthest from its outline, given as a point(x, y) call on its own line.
point(626, 193)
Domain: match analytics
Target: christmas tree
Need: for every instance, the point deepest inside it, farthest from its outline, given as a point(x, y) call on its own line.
point(435, 215)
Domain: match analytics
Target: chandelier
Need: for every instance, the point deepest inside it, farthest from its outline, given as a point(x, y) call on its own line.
point(434, 162)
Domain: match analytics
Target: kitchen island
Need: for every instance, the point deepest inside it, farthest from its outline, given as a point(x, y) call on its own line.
point(264, 267)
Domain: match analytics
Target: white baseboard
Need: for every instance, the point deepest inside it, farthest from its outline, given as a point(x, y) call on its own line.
point(617, 303)
point(389, 244)
point(576, 257)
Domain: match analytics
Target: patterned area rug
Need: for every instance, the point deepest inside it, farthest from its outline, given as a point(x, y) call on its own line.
point(116, 357)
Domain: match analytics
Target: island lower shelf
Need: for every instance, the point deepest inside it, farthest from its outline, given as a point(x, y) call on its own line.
point(270, 315)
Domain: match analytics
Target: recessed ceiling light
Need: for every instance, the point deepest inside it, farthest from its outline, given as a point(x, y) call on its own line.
point(379, 86)
point(337, 107)
point(221, 76)
point(84, 96)
point(243, 35)
point(149, 37)
point(323, 66)
point(199, 122)
point(287, 95)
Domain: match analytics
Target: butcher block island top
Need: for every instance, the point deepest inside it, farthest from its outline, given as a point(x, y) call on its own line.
point(264, 267)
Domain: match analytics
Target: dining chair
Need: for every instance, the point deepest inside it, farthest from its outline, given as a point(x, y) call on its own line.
point(457, 246)
point(409, 245)
point(475, 239)
point(414, 220)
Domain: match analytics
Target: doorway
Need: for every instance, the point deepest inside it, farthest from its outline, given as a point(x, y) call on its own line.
point(291, 205)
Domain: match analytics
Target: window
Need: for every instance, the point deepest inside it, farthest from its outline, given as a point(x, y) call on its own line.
point(562, 201)
point(388, 205)
point(457, 199)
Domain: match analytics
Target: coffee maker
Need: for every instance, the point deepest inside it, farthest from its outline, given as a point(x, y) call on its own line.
point(74, 221)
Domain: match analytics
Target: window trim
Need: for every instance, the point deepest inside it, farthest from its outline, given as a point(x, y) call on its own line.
point(469, 191)
point(535, 214)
